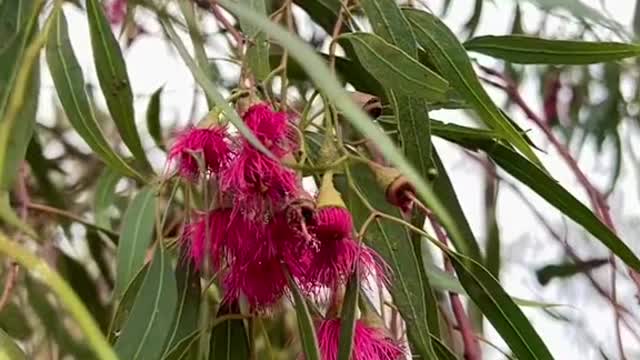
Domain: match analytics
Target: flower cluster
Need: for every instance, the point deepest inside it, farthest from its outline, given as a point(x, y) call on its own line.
point(264, 224)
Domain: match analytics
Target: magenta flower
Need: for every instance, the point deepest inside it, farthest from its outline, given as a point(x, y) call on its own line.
point(211, 143)
point(261, 185)
point(339, 253)
point(116, 10)
point(262, 281)
point(369, 343)
point(216, 228)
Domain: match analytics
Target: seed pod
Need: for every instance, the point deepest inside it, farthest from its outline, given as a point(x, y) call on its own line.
point(395, 185)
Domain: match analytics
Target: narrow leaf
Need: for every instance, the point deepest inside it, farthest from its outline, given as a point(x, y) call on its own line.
point(114, 80)
point(521, 49)
point(137, 228)
point(394, 68)
point(104, 197)
point(452, 62)
point(323, 12)
point(124, 306)
point(69, 82)
point(189, 293)
point(306, 328)
point(348, 317)
point(258, 50)
point(153, 119)
point(229, 338)
point(9, 350)
point(500, 310)
point(390, 24)
point(149, 324)
point(549, 272)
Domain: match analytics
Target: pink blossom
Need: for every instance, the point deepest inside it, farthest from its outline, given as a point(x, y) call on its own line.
point(262, 281)
point(214, 227)
point(339, 253)
point(211, 143)
point(116, 10)
point(369, 343)
point(271, 128)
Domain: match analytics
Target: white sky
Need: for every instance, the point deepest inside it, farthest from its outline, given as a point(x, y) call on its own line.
point(151, 64)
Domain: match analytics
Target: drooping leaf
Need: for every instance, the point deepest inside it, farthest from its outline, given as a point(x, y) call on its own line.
point(189, 293)
point(104, 197)
point(229, 338)
point(549, 272)
point(9, 350)
point(410, 288)
point(40, 167)
point(137, 228)
point(149, 323)
point(323, 12)
point(500, 310)
point(394, 68)
point(348, 317)
point(545, 186)
point(124, 306)
point(153, 119)
point(258, 50)
point(70, 86)
point(451, 60)
point(114, 80)
point(523, 49)
point(306, 329)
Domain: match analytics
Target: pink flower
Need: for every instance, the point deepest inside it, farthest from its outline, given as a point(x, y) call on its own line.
point(369, 343)
point(261, 185)
point(339, 253)
point(262, 281)
point(116, 10)
point(214, 227)
point(211, 144)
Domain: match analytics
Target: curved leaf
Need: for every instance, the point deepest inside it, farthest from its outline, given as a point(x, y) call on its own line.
point(305, 323)
point(153, 119)
point(70, 86)
point(9, 350)
point(137, 228)
point(500, 310)
point(394, 68)
point(348, 317)
point(189, 293)
point(522, 49)
point(114, 80)
point(104, 196)
point(451, 60)
point(149, 324)
point(229, 339)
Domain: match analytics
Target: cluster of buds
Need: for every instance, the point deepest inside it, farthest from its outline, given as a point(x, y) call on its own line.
point(264, 225)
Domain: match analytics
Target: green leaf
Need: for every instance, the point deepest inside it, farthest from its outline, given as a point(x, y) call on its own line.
point(149, 324)
point(189, 293)
point(104, 197)
point(40, 166)
point(229, 337)
point(545, 186)
point(258, 50)
point(442, 351)
point(551, 271)
point(9, 217)
point(124, 306)
point(14, 321)
point(390, 24)
point(19, 21)
point(210, 70)
point(521, 49)
point(306, 329)
point(500, 310)
point(348, 317)
point(153, 119)
point(451, 60)
point(114, 80)
point(186, 348)
point(9, 350)
point(69, 82)
point(137, 229)
point(323, 12)
point(410, 287)
point(394, 68)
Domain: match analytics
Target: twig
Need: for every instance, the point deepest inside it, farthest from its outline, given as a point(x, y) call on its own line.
point(471, 346)
point(71, 216)
point(334, 35)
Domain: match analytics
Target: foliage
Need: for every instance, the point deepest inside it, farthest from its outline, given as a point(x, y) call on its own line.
point(220, 250)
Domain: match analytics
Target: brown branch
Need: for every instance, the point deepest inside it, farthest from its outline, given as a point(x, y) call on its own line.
point(469, 340)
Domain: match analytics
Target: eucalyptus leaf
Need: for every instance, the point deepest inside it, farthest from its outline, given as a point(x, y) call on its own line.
point(153, 119)
point(9, 350)
point(523, 49)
